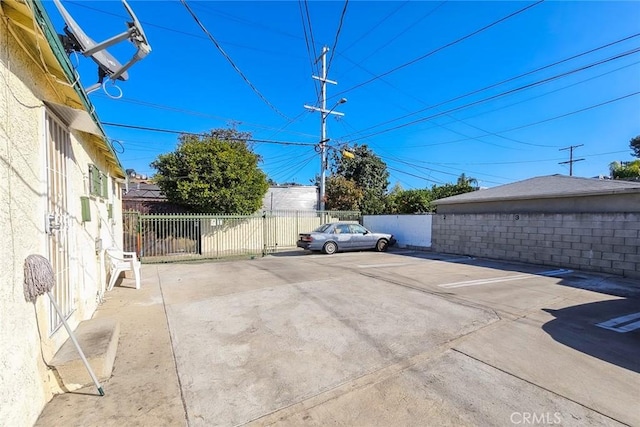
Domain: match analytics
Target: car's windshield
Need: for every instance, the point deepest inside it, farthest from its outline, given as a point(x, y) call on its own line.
point(323, 228)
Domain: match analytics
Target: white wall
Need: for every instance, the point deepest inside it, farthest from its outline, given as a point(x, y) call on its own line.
point(409, 230)
point(22, 189)
point(26, 384)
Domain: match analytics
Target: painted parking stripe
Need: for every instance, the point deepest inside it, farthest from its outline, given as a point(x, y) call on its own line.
point(622, 324)
point(411, 263)
point(385, 265)
point(503, 279)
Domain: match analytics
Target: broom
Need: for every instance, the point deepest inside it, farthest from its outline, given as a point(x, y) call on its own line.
point(38, 280)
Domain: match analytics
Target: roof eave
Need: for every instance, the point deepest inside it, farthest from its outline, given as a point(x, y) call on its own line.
point(535, 197)
point(48, 33)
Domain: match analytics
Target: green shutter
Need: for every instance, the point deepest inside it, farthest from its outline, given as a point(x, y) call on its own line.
point(105, 186)
point(110, 211)
point(85, 203)
point(94, 181)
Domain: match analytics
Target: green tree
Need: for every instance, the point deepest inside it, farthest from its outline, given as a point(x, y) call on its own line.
point(626, 170)
point(411, 201)
point(214, 173)
point(342, 194)
point(448, 190)
point(634, 144)
point(368, 172)
point(465, 181)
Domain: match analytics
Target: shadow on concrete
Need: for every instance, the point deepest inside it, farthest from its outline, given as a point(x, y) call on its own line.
point(577, 327)
point(292, 252)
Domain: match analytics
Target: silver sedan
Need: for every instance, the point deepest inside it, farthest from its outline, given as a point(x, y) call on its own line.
point(343, 236)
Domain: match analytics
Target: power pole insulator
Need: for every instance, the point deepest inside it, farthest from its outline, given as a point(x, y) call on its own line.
point(324, 113)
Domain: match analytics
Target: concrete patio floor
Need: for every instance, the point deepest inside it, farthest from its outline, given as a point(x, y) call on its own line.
point(399, 338)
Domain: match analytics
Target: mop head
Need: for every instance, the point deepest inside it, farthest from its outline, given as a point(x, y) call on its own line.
point(38, 277)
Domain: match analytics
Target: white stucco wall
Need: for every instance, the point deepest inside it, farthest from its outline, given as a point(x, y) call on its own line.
point(22, 371)
point(409, 230)
point(26, 384)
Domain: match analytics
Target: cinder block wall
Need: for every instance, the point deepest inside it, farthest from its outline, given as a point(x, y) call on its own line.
point(602, 242)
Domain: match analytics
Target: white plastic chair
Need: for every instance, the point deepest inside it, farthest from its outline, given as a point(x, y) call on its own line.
point(120, 262)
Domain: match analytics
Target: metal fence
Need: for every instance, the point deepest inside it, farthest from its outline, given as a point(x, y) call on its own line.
point(179, 237)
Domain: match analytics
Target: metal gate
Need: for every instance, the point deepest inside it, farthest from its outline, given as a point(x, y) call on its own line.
point(57, 217)
point(179, 237)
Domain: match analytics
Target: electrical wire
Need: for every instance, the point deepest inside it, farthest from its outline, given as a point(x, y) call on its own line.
point(454, 119)
point(391, 40)
point(375, 26)
point(441, 48)
point(335, 41)
point(499, 95)
point(292, 169)
point(253, 24)
point(500, 83)
point(213, 116)
point(561, 115)
point(414, 175)
point(415, 164)
point(179, 132)
point(173, 30)
point(312, 57)
point(290, 122)
point(527, 161)
point(522, 101)
point(313, 41)
point(591, 107)
point(228, 58)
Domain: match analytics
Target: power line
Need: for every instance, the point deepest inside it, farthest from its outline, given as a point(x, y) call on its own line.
point(207, 115)
point(391, 40)
point(370, 30)
point(527, 161)
point(499, 95)
point(414, 175)
point(247, 22)
point(306, 40)
point(455, 119)
point(415, 165)
point(289, 172)
point(524, 100)
point(228, 58)
point(313, 41)
point(500, 83)
point(426, 55)
point(185, 33)
point(179, 132)
point(574, 112)
point(554, 90)
point(335, 41)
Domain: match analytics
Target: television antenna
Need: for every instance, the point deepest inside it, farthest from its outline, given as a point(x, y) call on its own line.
point(76, 40)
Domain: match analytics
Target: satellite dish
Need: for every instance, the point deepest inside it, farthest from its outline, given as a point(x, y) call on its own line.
point(76, 40)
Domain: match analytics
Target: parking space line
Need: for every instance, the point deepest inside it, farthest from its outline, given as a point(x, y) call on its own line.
point(503, 279)
point(622, 324)
point(385, 265)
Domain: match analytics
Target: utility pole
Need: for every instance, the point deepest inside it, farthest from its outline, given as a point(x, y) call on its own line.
point(571, 160)
point(324, 113)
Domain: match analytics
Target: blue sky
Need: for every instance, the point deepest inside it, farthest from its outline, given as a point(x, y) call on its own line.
point(414, 91)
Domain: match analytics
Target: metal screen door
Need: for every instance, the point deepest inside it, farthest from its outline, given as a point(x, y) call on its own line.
point(58, 148)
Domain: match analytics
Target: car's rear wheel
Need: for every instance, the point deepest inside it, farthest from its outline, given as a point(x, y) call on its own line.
point(382, 245)
point(330, 248)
